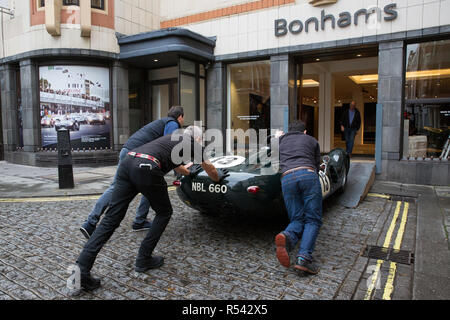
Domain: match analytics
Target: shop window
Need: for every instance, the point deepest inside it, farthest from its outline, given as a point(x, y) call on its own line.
point(427, 107)
point(249, 97)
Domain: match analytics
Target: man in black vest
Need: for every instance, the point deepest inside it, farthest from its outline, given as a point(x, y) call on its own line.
point(143, 170)
point(148, 133)
point(350, 124)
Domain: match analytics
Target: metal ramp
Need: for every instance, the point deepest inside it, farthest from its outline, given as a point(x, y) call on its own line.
point(359, 180)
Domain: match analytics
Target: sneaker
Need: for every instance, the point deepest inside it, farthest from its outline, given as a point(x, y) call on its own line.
point(283, 247)
point(89, 283)
point(144, 264)
point(141, 226)
point(87, 229)
point(306, 266)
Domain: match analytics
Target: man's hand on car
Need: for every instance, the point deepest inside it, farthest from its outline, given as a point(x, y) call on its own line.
point(194, 170)
point(222, 173)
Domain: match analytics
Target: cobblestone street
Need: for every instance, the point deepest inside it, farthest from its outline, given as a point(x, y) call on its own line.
point(206, 257)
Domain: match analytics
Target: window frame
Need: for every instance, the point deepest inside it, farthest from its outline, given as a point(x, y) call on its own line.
point(41, 4)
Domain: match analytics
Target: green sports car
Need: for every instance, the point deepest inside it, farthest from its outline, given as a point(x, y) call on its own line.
point(250, 189)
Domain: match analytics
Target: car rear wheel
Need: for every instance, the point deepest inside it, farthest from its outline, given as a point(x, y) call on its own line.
point(343, 182)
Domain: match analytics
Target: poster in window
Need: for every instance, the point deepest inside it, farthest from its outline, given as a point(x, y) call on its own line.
point(75, 98)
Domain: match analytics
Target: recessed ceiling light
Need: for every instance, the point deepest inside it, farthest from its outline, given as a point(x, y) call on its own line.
point(156, 60)
point(317, 59)
point(359, 55)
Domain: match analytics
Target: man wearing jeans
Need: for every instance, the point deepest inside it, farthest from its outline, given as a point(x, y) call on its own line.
point(299, 162)
point(148, 133)
point(350, 124)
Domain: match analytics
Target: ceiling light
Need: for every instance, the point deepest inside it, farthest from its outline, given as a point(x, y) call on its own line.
point(156, 60)
point(317, 59)
point(410, 75)
point(308, 83)
point(359, 55)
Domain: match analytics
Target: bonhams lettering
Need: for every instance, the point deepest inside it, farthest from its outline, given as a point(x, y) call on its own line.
point(345, 19)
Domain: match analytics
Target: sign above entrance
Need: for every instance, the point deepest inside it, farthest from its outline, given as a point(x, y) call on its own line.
point(372, 15)
point(317, 3)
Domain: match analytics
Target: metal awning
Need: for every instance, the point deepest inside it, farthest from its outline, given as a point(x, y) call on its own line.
point(162, 48)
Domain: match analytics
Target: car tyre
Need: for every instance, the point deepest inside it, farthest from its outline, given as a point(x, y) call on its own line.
point(343, 182)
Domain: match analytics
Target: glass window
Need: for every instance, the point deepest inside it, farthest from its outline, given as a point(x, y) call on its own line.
point(71, 2)
point(187, 66)
point(187, 98)
point(97, 4)
point(428, 70)
point(249, 96)
point(427, 93)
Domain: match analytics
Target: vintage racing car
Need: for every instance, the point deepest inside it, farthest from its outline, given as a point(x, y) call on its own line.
point(67, 123)
point(248, 189)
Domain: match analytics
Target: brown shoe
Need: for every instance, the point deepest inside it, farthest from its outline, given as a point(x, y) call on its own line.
point(282, 250)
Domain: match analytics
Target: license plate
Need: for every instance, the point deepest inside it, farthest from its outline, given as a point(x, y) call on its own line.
point(212, 188)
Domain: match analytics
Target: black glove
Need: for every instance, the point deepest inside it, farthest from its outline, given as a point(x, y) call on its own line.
point(194, 170)
point(222, 173)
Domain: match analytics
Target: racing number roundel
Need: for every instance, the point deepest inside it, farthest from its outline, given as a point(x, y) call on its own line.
point(324, 183)
point(227, 161)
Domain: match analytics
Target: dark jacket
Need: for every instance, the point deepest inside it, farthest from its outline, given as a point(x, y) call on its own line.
point(356, 123)
point(298, 150)
point(148, 133)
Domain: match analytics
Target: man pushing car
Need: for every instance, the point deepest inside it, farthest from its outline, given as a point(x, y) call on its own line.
point(142, 171)
point(302, 193)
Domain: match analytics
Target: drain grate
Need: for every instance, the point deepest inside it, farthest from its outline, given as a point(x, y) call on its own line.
point(403, 198)
point(389, 254)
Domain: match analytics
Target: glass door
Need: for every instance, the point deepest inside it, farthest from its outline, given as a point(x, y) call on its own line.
point(164, 96)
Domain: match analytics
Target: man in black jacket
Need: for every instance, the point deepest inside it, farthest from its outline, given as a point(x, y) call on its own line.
point(143, 170)
point(302, 193)
point(350, 124)
point(148, 133)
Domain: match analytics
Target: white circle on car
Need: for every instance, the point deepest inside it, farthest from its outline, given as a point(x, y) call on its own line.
point(227, 161)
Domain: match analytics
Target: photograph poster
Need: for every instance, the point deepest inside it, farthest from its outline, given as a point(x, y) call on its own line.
point(75, 98)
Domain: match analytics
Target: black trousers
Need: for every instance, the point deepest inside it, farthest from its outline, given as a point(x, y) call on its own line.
point(131, 180)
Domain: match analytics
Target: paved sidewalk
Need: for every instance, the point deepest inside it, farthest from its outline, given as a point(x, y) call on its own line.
point(18, 181)
point(431, 279)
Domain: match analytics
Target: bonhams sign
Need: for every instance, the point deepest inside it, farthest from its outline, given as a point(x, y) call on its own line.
point(371, 15)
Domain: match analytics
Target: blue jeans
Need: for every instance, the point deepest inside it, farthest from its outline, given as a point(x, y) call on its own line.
point(349, 139)
point(303, 199)
point(105, 199)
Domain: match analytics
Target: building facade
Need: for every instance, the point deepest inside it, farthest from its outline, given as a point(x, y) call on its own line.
point(103, 69)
